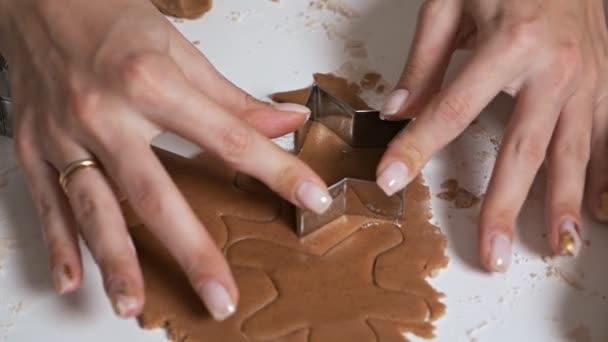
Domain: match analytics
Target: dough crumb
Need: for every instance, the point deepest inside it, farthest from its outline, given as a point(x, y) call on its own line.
point(495, 140)
point(370, 80)
point(579, 334)
point(604, 203)
point(339, 7)
point(462, 198)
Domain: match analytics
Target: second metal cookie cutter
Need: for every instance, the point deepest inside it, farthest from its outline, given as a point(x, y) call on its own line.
point(360, 129)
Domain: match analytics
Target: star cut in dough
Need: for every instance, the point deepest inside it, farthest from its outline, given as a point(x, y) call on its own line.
point(359, 128)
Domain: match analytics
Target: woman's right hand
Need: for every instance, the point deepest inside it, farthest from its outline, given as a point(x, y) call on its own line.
point(100, 79)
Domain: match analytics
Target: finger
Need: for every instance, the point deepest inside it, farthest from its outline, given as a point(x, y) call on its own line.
point(521, 154)
point(58, 226)
point(164, 211)
point(432, 47)
point(271, 120)
point(228, 137)
point(448, 114)
point(567, 163)
point(103, 228)
point(597, 179)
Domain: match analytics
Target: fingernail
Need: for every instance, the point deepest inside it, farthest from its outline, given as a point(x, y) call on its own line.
point(125, 304)
point(394, 102)
point(500, 253)
point(569, 238)
point(292, 107)
point(393, 178)
point(217, 300)
point(63, 279)
point(313, 197)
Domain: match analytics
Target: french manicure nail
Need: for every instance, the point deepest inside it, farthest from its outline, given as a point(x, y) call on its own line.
point(125, 304)
point(393, 178)
point(292, 107)
point(217, 300)
point(394, 102)
point(313, 197)
point(63, 279)
point(569, 238)
point(500, 253)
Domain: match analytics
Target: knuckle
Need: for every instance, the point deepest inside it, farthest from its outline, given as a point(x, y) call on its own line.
point(45, 210)
point(532, 150)
point(250, 101)
point(146, 198)
point(578, 150)
point(235, 143)
point(416, 68)
point(195, 262)
point(24, 146)
point(286, 178)
point(567, 65)
point(85, 206)
point(139, 67)
point(140, 75)
point(57, 249)
point(415, 158)
point(455, 111)
point(84, 105)
point(522, 36)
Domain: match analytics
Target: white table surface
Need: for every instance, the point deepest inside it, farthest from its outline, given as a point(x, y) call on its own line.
point(266, 47)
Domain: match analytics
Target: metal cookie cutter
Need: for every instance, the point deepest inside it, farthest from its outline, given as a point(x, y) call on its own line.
point(360, 129)
point(6, 108)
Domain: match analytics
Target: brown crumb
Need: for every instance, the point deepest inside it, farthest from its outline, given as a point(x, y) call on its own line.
point(462, 198)
point(495, 140)
point(338, 7)
point(587, 242)
point(196, 42)
point(604, 203)
point(579, 334)
point(380, 89)
point(370, 80)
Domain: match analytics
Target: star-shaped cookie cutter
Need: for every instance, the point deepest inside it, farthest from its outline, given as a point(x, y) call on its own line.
point(360, 129)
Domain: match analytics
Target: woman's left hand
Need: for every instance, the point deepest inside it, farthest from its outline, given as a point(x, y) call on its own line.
point(551, 55)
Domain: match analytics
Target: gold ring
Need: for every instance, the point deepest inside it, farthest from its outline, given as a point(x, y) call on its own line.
point(64, 176)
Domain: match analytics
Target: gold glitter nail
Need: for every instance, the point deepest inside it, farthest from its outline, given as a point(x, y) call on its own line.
point(567, 243)
point(63, 279)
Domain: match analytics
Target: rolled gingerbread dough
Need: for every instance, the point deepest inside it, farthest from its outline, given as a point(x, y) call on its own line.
point(356, 279)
